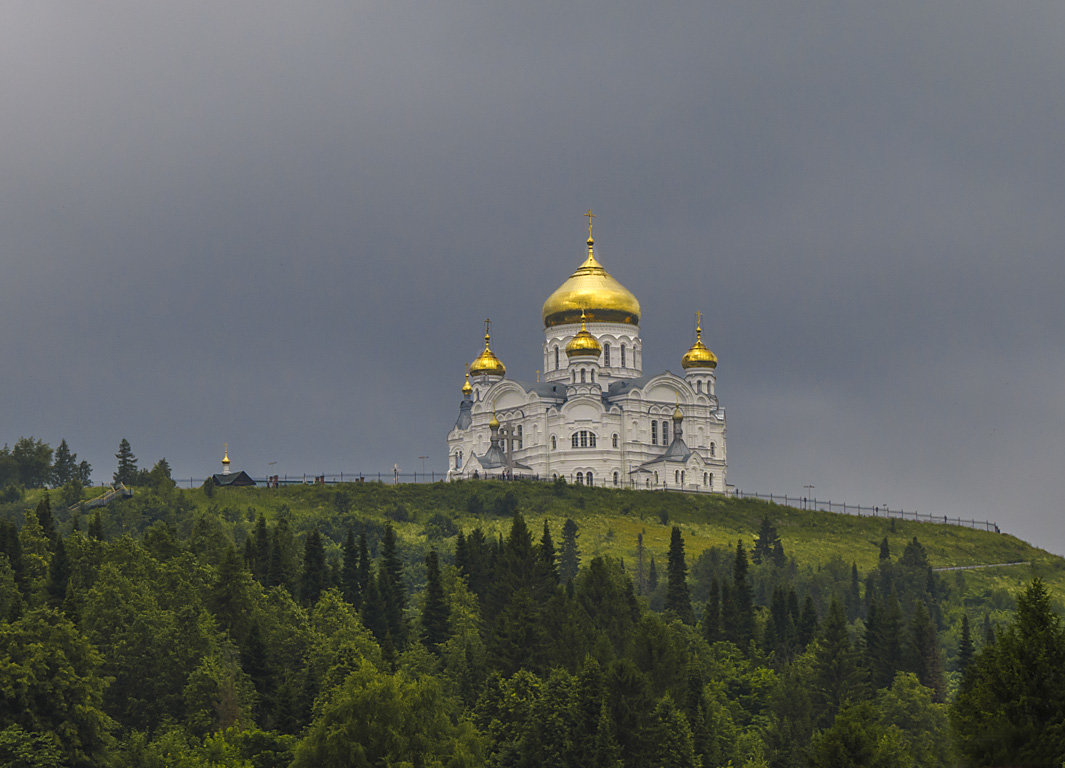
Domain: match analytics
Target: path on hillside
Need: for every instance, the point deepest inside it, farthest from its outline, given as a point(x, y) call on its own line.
point(974, 567)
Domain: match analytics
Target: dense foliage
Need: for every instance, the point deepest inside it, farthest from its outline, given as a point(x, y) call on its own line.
point(172, 629)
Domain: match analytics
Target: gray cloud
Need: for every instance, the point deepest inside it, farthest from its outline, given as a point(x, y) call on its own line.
point(281, 228)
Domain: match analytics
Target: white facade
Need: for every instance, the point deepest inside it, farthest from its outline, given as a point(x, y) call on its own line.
point(595, 420)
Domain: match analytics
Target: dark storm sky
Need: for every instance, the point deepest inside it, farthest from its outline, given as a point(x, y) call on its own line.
point(280, 225)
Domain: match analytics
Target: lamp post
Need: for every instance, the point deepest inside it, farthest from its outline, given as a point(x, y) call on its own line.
point(807, 487)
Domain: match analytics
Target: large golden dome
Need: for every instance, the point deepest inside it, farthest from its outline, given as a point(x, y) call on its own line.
point(592, 290)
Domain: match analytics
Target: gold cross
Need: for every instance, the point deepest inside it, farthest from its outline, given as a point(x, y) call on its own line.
point(590, 216)
point(487, 325)
point(698, 318)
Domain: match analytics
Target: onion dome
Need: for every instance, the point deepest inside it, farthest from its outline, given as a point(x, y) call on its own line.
point(678, 414)
point(225, 455)
point(591, 289)
point(583, 344)
point(698, 356)
point(467, 389)
point(487, 362)
point(493, 423)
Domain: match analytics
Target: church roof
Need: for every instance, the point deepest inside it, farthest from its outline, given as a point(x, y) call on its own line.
point(678, 452)
point(234, 479)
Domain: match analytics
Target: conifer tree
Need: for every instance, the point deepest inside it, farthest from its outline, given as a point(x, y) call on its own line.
point(96, 527)
point(766, 542)
point(313, 577)
point(349, 570)
point(678, 598)
point(249, 554)
point(838, 676)
point(989, 630)
point(547, 555)
point(807, 622)
point(739, 621)
point(569, 556)
point(923, 652)
point(965, 646)
point(261, 551)
point(390, 584)
point(652, 576)
point(460, 553)
point(605, 750)
point(44, 517)
point(854, 601)
point(58, 574)
point(435, 613)
point(127, 464)
point(885, 550)
point(64, 465)
point(374, 614)
point(712, 613)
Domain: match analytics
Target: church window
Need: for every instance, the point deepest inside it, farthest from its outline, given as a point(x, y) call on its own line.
point(665, 433)
point(582, 376)
point(576, 440)
point(656, 478)
point(588, 478)
point(556, 358)
point(682, 477)
point(591, 439)
point(593, 377)
point(676, 476)
point(580, 478)
point(606, 355)
point(521, 437)
point(654, 432)
point(615, 479)
point(554, 444)
point(704, 478)
point(614, 440)
point(699, 387)
point(622, 355)
point(713, 449)
point(711, 479)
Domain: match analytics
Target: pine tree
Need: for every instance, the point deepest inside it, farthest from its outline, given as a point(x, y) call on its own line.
point(313, 578)
point(349, 570)
point(838, 676)
point(652, 576)
point(605, 750)
point(58, 574)
point(261, 551)
point(127, 464)
point(435, 613)
point(885, 550)
point(989, 630)
point(570, 556)
point(965, 646)
point(547, 555)
point(712, 614)
point(923, 652)
point(374, 615)
point(390, 584)
point(807, 622)
point(739, 622)
point(364, 568)
point(678, 598)
point(44, 517)
point(64, 465)
point(854, 600)
point(766, 542)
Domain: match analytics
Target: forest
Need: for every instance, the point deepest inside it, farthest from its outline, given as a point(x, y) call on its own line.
point(367, 625)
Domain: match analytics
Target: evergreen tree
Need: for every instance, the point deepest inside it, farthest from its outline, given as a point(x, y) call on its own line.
point(374, 615)
point(989, 630)
point(838, 676)
point(96, 527)
point(44, 517)
point(923, 652)
point(807, 622)
point(712, 613)
point(766, 542)
point(678, 599)
point(739, 621)
point(854, 601)
point(652, 576)
point(58, 574)
point(84, 473)
point(261, 551)
point(349, 570)
point(547, 555)
point(966, 650)
point(569, 556)
point(885, 550)
point(390, 585)
point(127, 464)
point(64, 465)
point(605, 750)
point(313, 578)
point(435, 613)
point(364, 568)
point(884, 642)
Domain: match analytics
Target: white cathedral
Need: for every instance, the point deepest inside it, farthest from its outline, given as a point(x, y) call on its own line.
point(594, 418)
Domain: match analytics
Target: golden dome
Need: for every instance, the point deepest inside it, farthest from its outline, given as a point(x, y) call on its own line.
point(225, 454)
point(466, 388)
point(698, 356)
point(487, 362)
point(678, 414)
point(593, 290)
point(493, 423)
point(583, 344)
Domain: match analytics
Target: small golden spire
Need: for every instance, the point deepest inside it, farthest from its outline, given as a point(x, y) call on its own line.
point(225, 453)
point(590, 216)
point(467, 388)
point(537, 375)
point(698, 325)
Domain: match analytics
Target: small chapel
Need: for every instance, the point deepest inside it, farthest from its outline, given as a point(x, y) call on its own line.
point(594, 417)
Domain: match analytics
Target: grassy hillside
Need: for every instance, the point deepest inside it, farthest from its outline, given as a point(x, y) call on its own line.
point(610, 522)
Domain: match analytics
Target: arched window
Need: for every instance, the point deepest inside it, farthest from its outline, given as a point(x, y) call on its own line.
point(656, 478)
point(554, 444)
point(615, 479)
point(622, 355)
point(614, 440)
point(711, 479)
point(591, 439)
point(713, 449)
point(665, 433)
point(580, 478)
point(582, 376)
point(458, 459)
point(606, 355)
point(699, 386)
point(588, 478)
point(575, 440)
point(556, 358)
point(676, 476)
point(521, 437)
point(682, 477)
point(654, 432)
point(704, 478)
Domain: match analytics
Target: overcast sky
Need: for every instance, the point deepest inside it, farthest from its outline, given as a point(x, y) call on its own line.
point(281, 225)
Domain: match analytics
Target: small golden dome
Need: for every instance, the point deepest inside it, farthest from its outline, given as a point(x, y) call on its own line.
point(583, 344)
point(225, 454)
point(678, 414)
point(493, 423)
point(593, 290)
point(487, 362)
point(698, 356)
point(466, 388)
